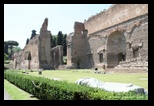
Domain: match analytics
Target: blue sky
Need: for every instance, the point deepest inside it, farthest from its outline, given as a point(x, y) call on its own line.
point(21, 19)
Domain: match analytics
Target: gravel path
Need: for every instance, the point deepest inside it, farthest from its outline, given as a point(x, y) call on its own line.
point(6, 96)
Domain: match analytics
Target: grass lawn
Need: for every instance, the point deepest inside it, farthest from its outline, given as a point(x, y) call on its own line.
point(72, 75)
point(16, 93)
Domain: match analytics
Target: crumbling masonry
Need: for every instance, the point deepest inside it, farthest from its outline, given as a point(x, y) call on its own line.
point(115, 38)
point(38, 54)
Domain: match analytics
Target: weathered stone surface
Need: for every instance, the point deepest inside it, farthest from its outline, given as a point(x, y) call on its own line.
point(76, 53)
point(112, 42)
point(92, 82)
point(57, 56)
point(137, 63)
point(111, 86)
point(27, 58)
point(38, 53)
point(44, 46)
point(114, 15)
point(70, 67)
point(115, 38)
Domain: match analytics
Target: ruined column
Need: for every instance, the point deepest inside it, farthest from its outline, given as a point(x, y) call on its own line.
point(44, 50)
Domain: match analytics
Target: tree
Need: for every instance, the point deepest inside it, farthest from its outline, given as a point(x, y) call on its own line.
point(51, 41)
point(6, 47)
point(13, 43)
point(10, 44)
point(27, 41)
point(33, 33)
point(64, 45)
point(5, 56)
point(11, 47)
point(59, 38)
point(16, 49)
point(54, 39)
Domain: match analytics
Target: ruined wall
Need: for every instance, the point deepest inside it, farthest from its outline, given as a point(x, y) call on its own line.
point(44, 46)
point(114, 15)
point(116, 46)
point(78, 28)
point(56, 56)
point(28, 57)
point(96, 45)
point(134, 34)
point(69, 49)
point(139, 39)
point(36, 54)
point(116, 38)
point(76, 46)
point(78, 52)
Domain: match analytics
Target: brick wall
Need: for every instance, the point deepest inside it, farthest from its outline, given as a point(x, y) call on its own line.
point(115, 15)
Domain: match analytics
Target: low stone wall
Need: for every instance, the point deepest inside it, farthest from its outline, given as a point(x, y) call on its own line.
point(136, 63)
point(57, 56)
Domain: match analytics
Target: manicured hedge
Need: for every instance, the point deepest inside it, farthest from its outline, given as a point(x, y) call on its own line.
point(62, 90)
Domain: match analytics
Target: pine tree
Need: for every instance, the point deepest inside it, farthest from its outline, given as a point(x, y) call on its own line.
point(53, 44)
point(59, 38)
point(10, 45)
point(64, 45)
point(6, 47)
point(51, 41)
point(27, 41)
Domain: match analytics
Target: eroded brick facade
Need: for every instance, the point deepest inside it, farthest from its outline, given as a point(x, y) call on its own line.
point(114, 38)
point(37, 54)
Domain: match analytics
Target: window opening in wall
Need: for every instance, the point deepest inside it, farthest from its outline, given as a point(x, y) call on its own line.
point(121, 57)
point(135, 53)
point(84, 32)
point(101, 57)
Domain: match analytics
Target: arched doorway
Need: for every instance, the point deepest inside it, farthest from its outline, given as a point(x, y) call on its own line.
point(116, 49)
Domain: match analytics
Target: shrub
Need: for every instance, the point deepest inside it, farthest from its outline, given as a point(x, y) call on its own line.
point(5, 56)
point(47, 89)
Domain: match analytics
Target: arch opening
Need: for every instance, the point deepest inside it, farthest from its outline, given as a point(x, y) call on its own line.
point(116, 49)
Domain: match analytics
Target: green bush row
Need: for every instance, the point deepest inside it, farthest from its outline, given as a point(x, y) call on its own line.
point(62, 90)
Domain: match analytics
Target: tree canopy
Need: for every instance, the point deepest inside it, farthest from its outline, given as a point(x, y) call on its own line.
point(33, 34)
point(9, 45)
point(64, 45)
point(11, 42)
point(27, 41)
point(59, 39)
point(53, 41)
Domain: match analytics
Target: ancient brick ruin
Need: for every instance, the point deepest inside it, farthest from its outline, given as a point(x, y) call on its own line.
point(38, 54)
point(115, 38)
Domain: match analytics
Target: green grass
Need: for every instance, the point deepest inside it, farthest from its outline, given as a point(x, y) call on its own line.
point(16, 93)
point(73, 75)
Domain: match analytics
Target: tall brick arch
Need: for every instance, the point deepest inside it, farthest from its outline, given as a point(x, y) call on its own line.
point(116, 48)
